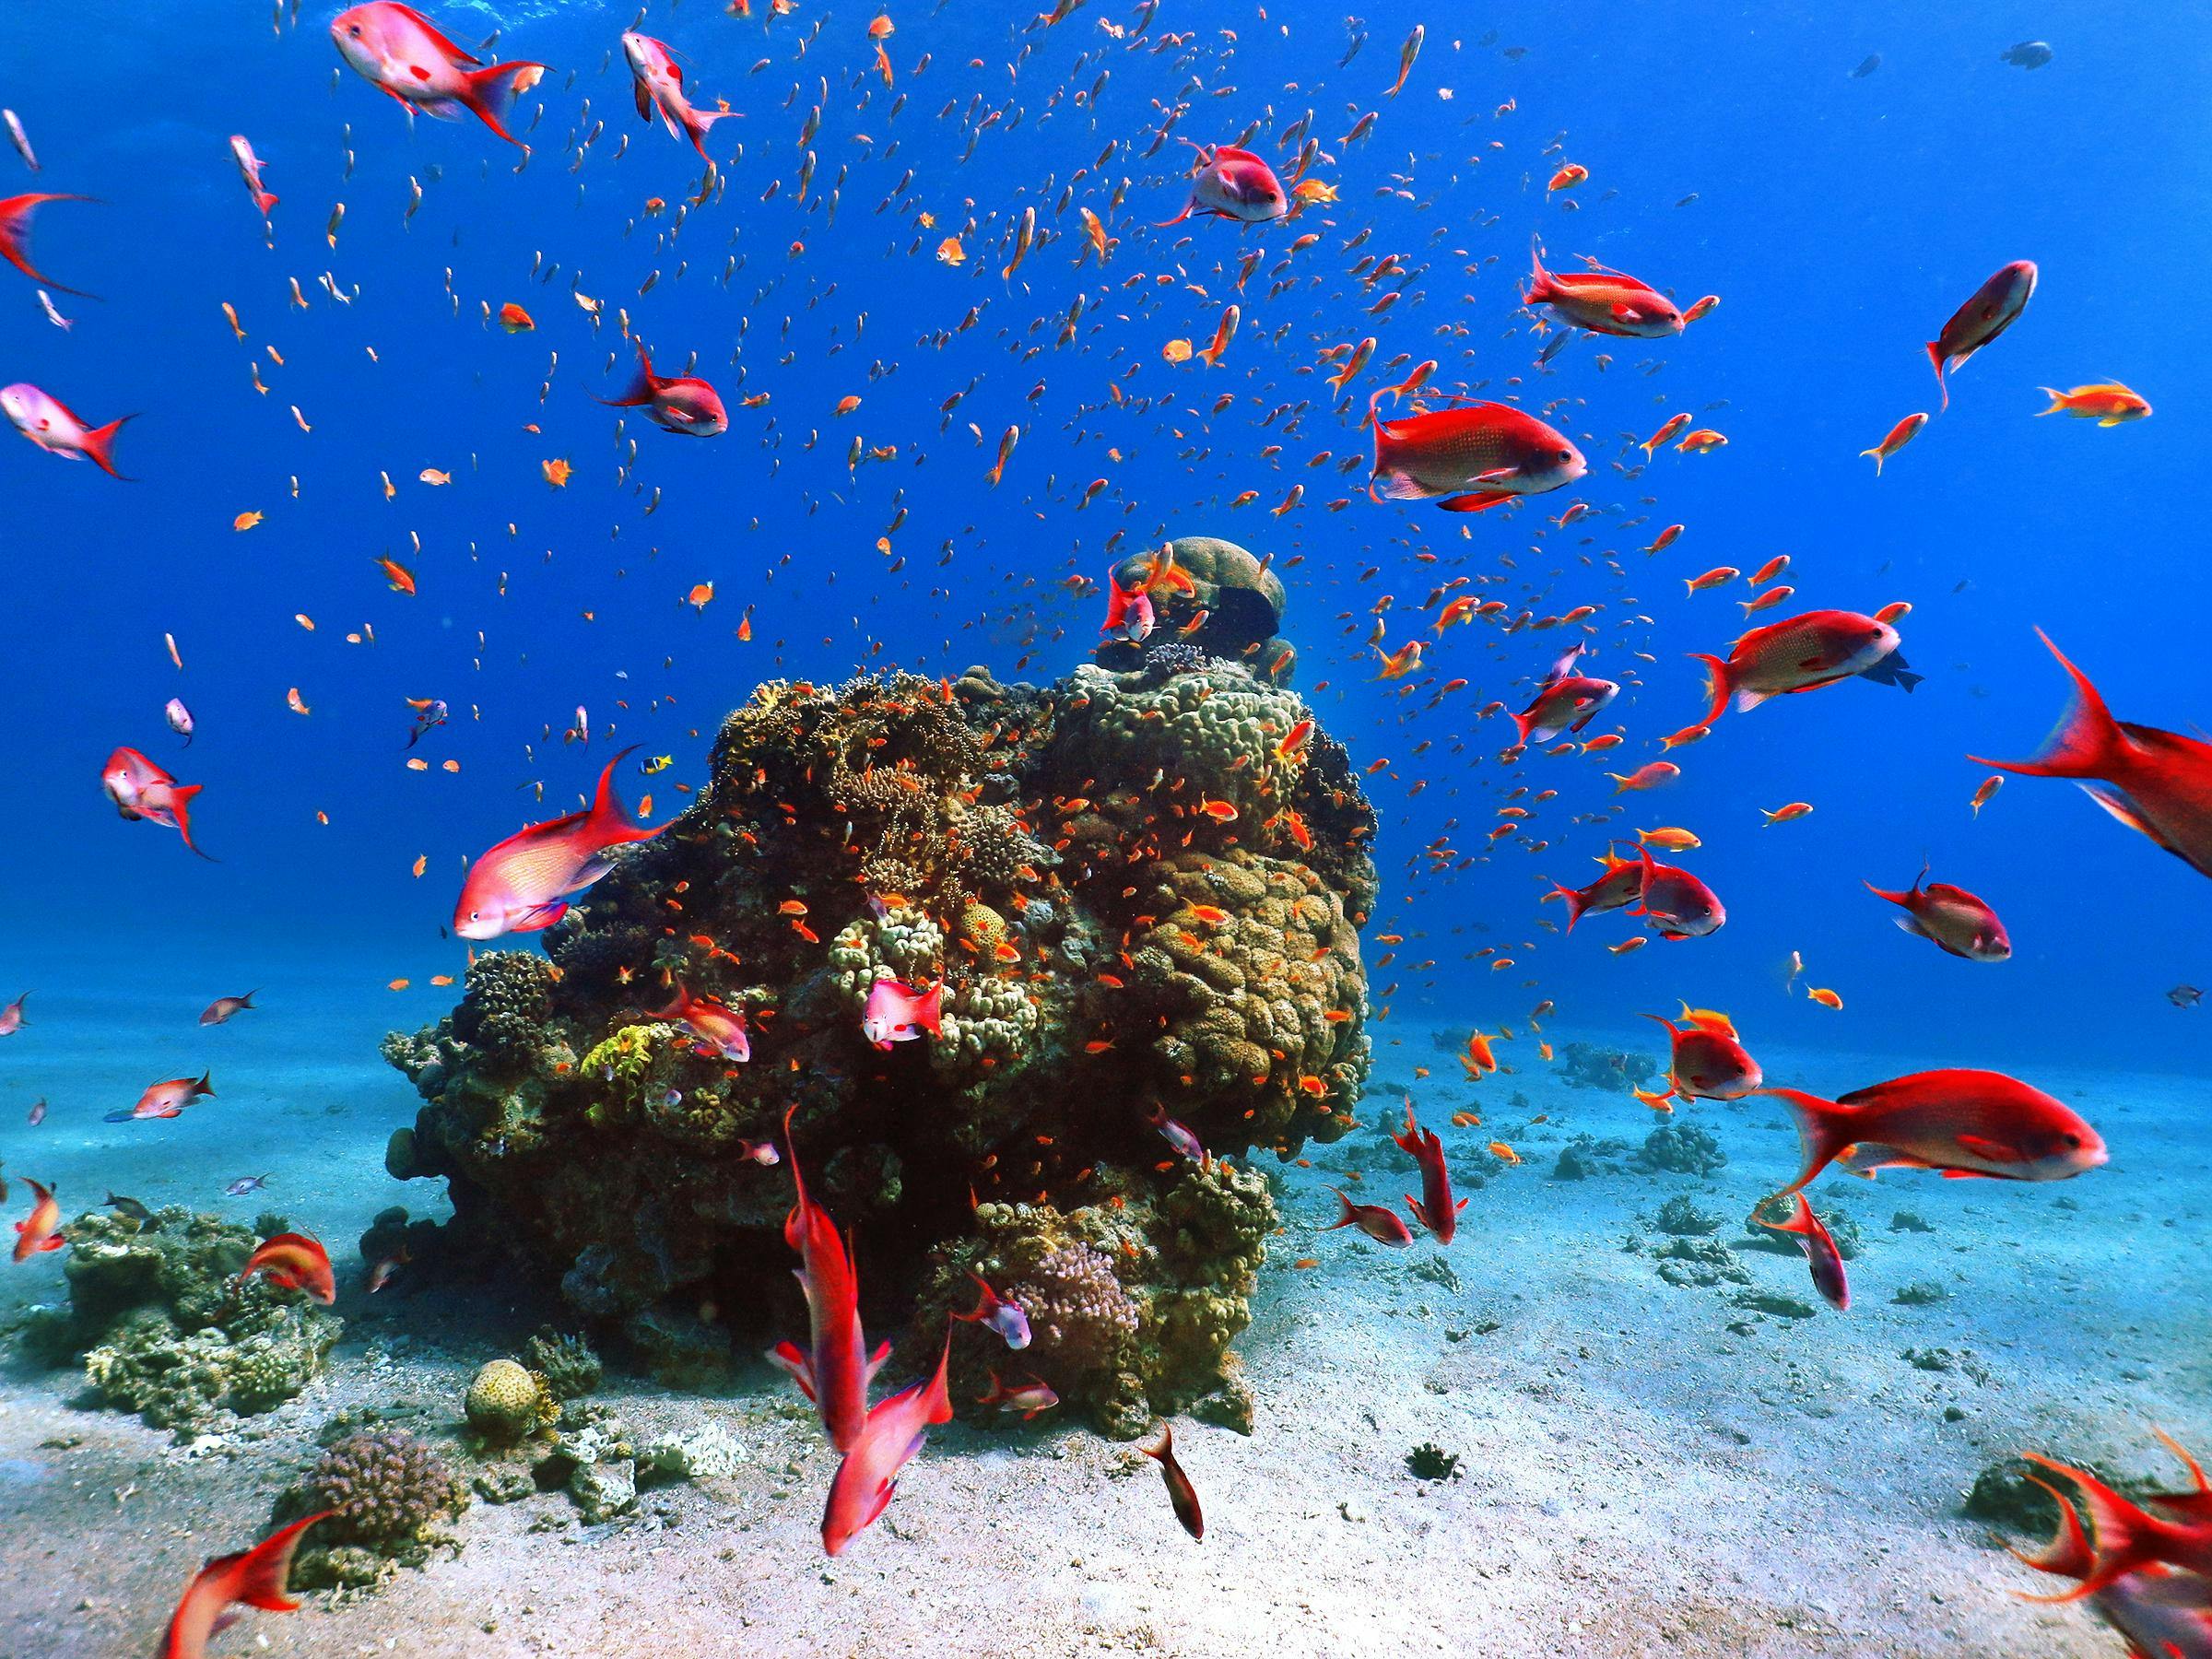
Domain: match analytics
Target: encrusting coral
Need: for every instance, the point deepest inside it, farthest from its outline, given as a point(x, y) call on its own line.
point(166, 1329)
point(1140, 892)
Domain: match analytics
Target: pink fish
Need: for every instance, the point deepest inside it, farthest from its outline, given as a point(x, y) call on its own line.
point(891, 1439)
point(398, 51)
point(58, 429)
point(166, 1099)
point(1820, 1251)
point(14, 235)
point(719, 1028)
point(659, 85)
point(896, 1012)
point(1953, 918)
point(1177, 1135)
point(1568, 702)
point(249, 169)
point(525, 882)
point(1232, 184)
point(683, 404)
point(1676, 904)
point(1380, 1224)
point(995, 1314)
point(142, 790)
point(1028, 1398)
point(836, 1373)
point(1129, 613)
point(11, 1016)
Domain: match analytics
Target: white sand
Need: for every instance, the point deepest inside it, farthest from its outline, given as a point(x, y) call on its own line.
point(1638, 1480)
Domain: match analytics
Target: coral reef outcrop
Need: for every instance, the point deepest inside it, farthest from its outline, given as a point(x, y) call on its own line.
point(1140, 893)
point(165, 1328)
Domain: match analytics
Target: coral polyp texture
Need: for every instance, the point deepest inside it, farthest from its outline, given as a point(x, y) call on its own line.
point(1141, 892)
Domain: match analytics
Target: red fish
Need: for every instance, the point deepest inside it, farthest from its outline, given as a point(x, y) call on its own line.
point(401, 52)
point(1232, 184)
point(684, 404)
point(252, 1578)
point(166, 1099)
point(1568, 702)
point(1963, 1123)
point(1380, 1224)
point(890, 1439)
point(2156, 781)
point(1993, 308)
point(1602, 302)
point(837, 1370)
point(1129, 613)
point(55, 428)
point(14, 235)
point(1468, 458)
point(719, 1028)
point(1706, 1061)
point(1804, 654)
point(142, 790)
point(2128, 1537)
point(1620, 885)
point(1434, 1209)
point(39, 1233)
point(1676, 904)
point(524, 882)
point(1181, 1492)
point(294, 1261)
point(1958, 922)
point(1819, 1248)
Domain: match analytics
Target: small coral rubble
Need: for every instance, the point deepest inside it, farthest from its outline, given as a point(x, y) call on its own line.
point(1136, 889)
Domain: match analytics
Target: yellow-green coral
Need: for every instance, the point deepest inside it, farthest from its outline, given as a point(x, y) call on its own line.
point(505, 1402)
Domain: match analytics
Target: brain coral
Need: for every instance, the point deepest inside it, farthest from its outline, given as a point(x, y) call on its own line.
point(1139, 890)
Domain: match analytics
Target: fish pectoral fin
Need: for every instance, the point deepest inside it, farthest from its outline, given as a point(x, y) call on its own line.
point(1966, 1175)
point(877, 1359)
point(1497, 475)
point(787, 1358)
point(2123, 809)
point(1625, 312)
point(1477, 502)
point(1996, 1151)
point(1389, 485)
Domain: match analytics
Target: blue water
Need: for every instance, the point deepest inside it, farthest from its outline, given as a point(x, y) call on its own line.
point(1840, 219)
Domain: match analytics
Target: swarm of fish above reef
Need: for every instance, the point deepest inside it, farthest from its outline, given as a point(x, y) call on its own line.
point(1131, 900)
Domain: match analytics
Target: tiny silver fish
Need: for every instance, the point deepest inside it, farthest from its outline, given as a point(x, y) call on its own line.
point(179, 719)
point(22, 139)
point(54, 316)
point(246, 1184)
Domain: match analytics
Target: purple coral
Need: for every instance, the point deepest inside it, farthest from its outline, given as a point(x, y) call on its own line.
point(386, 1487)
point(1078, 1313)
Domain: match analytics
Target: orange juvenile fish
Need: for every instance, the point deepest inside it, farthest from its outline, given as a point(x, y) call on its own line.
point(1902, 434)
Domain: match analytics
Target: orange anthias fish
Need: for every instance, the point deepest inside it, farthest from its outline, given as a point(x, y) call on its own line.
point(1902, 434)
point(294, 1261)
point(252, 1578)
point(2108, 403)
point(1602, 302)
point(1468, 458)
point(525, 882)
point(2156, 781)
point(40, 1232)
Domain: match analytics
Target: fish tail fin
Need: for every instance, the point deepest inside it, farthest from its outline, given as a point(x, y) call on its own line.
point(2119, 1524)
point(1348, 1216)
point(201, 1089)
point(491, 95)
point(1539, 279)
point(929, 1011)
point(640, 387)
point(1522, 725)
point(2058, 402)
point(1164, 224)
point(180, 804)
point(610, 821)
point(1719, 684)
point(696, 126)
point(2087, 742)
point(1890, 893)
point(99, 444)
point(2196, 1470)
point(1576, 903)
point(787, 1358)
point(1824, 1129)
point(1800, 1221)
point(263, 1570)
point(1935, 356)
point(1166, 1448)
point(2068, 1553)
point(1877, 454)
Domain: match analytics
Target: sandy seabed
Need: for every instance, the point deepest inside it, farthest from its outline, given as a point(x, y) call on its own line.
point(1644, 1469)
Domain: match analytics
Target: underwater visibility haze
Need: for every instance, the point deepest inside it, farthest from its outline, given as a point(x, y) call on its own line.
point(1190, 827)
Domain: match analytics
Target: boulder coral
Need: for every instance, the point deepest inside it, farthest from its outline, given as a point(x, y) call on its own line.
point(1140, 891)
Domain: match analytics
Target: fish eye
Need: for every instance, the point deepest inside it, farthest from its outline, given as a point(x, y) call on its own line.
point(2072, 1141)
point(1566, 455)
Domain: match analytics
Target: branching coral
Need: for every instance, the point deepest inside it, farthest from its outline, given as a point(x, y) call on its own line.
point(1136, 890)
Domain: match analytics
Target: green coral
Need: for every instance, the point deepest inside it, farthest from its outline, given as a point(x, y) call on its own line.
point(567, 1363)
point(167, 1330)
